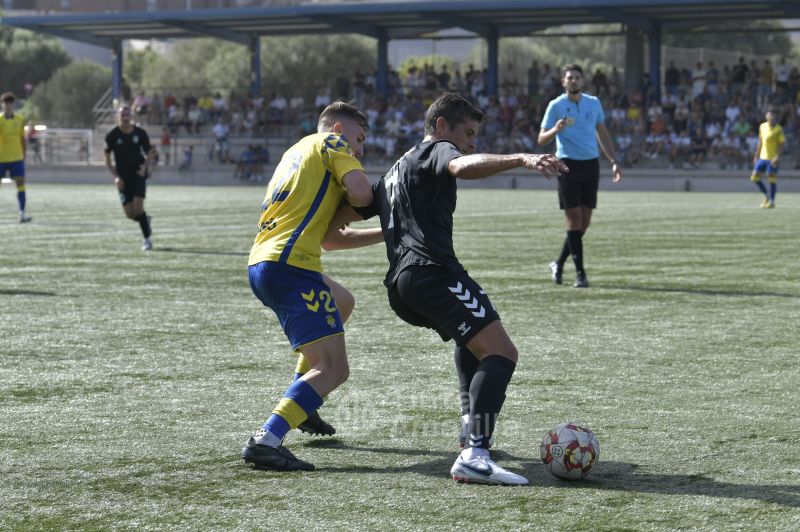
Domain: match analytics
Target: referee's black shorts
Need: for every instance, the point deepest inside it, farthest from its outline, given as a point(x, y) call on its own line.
point(578, 187)
point(450, 303)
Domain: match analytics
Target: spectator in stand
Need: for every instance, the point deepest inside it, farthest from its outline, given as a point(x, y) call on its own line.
point(250, 120)
point(308, 125)
point(782, 72)
point(712, 79)
point(155, 111)
point(766, 77)
point(655, 140)
point(698, 148)
point(681, 119)
point(296, 105)
point(672, 77)
point(548, 81)
point(732, 113)
point(186, 164)
point(206, 106)
point(244, 167)
point(193, 116)
point(189, 101)
point(237, 118)
point(140, 104)
point(166, 145)
point(33, 143)
point(534, 75)
point(218, 107)
point(323, 99)
point(740, 76)
point(793, 85)
point(172, 117)
point(654, 111)
point(680, 144)
point(221, 146)
point(600, 84)
point(742, 127)
point(444, 79)
point(753, 80)
point(698, 80)
point(277, 109)
point(732, 156)
point(748, 145)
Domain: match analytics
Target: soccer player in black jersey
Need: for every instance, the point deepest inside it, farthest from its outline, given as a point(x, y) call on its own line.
point(133, 156)
point(427, 285)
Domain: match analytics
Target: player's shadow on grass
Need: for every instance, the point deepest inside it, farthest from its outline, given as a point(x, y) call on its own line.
point(612, 476)
point(704, 292)
point(439, 467)
point(623, 476)
point(191, 251)
point(14, 292)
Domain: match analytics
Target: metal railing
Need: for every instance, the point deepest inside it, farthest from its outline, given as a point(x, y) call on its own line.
point(61, 146)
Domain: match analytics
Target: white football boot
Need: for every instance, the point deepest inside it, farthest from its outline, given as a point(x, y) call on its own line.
point(147, 245)
point(484, 470)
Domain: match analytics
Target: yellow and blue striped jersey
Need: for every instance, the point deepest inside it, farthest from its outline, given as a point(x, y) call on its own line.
point(12, 131)
point(771, 140)
point(303, 195)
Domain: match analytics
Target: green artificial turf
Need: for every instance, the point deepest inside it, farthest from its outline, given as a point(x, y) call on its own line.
point(129, 381)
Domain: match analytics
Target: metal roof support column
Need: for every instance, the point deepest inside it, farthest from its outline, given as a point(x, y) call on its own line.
point(382, 75)
point(655, 60)
point(492, 41)
point(634, 60)
point(255, 66)
point(116, 71)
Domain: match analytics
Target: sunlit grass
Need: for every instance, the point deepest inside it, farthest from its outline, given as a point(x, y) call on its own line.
point(129, 381)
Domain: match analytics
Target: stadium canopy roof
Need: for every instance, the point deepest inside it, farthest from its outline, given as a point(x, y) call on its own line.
point(398, 20)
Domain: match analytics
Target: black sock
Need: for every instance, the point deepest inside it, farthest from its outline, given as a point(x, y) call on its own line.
point(144, 224)
point(466, 364)
point(487, 392)
point(575, 239)
point(564, 254)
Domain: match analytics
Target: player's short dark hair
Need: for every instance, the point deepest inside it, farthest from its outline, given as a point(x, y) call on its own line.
point(454, 109)
point(571, 66)
point(341, 111)
point(7, 97)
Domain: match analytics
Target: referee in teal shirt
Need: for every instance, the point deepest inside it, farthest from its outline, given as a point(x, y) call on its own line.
point(576, 121)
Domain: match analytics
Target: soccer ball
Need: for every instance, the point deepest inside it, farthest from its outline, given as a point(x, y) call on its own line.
point(570, 451)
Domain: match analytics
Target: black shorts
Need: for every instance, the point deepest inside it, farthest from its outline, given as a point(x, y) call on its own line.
point(578, 187)
point(451, 304)
point(134, 187)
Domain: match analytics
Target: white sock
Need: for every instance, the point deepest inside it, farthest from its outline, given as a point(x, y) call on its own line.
point(471, 453)
point(263, 437)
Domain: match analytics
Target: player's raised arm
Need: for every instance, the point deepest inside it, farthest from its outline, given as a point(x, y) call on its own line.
point(482, 165)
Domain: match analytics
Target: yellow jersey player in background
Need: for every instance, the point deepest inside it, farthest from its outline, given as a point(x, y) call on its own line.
point(767, 156)
point(311, 181)
point(12, 150)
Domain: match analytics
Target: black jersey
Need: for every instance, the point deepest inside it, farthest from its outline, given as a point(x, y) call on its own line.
point(129, 149)
point(415, 201)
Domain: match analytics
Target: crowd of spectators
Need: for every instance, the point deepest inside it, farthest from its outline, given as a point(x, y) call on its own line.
point(704, 113)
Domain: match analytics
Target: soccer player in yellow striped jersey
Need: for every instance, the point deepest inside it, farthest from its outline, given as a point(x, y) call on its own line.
point(768, 153)
point(12, 150)
point(311, 181)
